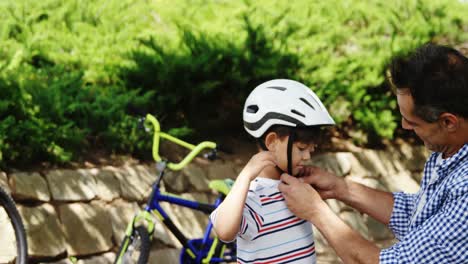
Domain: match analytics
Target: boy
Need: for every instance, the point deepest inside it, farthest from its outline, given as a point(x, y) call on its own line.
point(285, 117)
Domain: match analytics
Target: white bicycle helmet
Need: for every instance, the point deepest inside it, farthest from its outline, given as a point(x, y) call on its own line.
point(283, 102)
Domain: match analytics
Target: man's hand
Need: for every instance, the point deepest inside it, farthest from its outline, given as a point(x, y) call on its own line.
point(301, 198)
point(307, 204)
point(257, 163)
point(378, 204)
point(327, 184)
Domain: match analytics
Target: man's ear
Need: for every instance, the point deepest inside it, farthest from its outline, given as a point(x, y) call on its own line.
point(449, 121)
point(271, 140)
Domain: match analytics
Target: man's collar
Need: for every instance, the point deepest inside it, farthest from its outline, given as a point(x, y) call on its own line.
point(454, 159)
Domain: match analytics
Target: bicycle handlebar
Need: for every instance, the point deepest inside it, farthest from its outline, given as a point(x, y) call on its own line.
point(194, 150)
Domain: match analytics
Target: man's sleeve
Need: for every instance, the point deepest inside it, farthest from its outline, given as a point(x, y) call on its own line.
point(403, 204)
point(441, 239)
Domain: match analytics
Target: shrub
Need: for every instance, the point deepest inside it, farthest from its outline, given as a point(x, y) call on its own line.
point(74, 73)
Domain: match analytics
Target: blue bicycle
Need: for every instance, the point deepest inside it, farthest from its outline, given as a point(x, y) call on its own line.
point(135, 247)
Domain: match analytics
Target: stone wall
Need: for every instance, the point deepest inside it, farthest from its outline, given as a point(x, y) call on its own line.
point(83, 213)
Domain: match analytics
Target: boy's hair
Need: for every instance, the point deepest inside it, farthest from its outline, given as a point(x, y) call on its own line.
point(309, 134)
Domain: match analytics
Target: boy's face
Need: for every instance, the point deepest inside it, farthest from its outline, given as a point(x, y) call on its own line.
point(301, 153)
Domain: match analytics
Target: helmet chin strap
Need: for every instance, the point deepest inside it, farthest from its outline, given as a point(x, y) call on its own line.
point(291, 139)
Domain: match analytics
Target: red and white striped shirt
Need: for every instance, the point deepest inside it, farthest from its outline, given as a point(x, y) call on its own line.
point(269, 232)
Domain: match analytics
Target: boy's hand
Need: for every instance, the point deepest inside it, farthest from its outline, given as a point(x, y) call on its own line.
point(257, 163)
point(327, 184)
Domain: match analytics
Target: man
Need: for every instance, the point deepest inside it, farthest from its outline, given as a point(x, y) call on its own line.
point(431, 86)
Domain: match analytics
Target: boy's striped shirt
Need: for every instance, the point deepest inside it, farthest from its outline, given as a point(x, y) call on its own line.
point(269, 232)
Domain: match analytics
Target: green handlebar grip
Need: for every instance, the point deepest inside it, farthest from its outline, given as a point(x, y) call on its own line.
point(195, 150)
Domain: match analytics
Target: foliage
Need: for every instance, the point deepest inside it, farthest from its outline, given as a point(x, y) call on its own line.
point(73, 74)
point(208, 77)
point(50, 114)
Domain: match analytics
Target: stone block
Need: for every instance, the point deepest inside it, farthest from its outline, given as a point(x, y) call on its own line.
point(337, 206)
point(7, 238)
point(29, 186)
point(106, 258)
point(221, 170)
point(197, 178)
point(401, 181)
point(371, 162)
point(135, 181)
point(356, 167)
point(187, 220)
point(413, 157)
point(164, 236)
point(44, 231)
point(417, 177)
point(121, 213)
point(70, 185)
point(62, 261)
point(4, 182)
point(356, 221)
point(107, 186)
point(87, 228)
point(338, 163)
point(176, 181)
point(165, 255)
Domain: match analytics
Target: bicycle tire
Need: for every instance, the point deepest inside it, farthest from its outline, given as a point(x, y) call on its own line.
point(139, 240)
point(20, 234)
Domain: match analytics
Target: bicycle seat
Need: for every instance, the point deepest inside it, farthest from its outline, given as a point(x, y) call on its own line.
point(222, 186)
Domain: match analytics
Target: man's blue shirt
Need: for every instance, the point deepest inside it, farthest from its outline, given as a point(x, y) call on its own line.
point(438, 233)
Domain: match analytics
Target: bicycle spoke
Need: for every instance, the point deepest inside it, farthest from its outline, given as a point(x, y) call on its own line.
point(133, 253)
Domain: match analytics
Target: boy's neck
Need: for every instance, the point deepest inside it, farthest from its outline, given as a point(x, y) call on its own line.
point(273, 173)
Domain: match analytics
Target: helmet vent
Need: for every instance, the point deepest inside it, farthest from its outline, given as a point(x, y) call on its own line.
point(297, 113)
point(307, 103)
point(277, 88)
point(252, 109)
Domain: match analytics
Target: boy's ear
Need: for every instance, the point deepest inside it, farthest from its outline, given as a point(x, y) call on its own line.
point(270, 141)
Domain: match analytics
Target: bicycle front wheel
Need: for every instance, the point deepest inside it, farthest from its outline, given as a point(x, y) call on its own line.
point(10, 220)
point(135, 248)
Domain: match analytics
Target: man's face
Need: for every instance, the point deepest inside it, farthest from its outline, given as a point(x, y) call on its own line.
point(431, 134)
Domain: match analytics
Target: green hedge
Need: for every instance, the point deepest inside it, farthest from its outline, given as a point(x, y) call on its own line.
point(73, 74)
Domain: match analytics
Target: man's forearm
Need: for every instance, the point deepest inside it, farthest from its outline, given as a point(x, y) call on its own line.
point(348, 244)
point(377, 204)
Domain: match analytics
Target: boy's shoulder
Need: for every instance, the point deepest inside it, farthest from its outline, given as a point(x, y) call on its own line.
point(258, 190)
point(263, 186)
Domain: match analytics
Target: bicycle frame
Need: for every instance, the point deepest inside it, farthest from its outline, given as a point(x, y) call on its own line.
point(153, 207)
point(200, 250)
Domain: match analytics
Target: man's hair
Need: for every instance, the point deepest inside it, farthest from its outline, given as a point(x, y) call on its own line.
point(309, 134)
point(437, 79)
